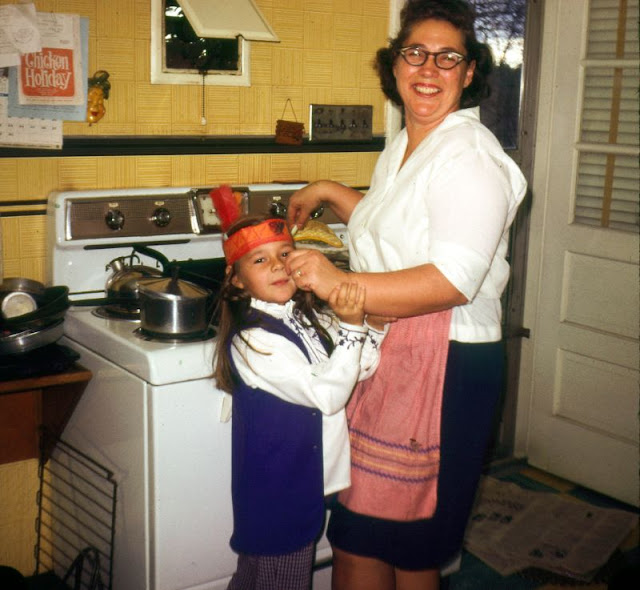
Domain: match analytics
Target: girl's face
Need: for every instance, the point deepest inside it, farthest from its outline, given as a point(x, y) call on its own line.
point(429, 93)
point(261, 273)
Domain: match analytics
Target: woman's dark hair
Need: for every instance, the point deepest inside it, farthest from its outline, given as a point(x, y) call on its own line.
point(233, 314)
point(462, 16)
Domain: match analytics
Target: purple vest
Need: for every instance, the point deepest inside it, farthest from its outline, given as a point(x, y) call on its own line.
point(276, 478)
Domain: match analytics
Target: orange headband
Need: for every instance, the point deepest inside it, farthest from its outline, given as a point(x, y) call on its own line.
point(252, 236)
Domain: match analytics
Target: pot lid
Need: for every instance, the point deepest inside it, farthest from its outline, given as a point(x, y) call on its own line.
point(172, 288)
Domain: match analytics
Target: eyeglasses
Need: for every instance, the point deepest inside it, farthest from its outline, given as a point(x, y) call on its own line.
point(445, 60)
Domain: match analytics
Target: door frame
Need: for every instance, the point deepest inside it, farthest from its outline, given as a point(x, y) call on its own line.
point(514, 330)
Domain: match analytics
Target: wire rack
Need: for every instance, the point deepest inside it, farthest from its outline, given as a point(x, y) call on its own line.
point(76, 517)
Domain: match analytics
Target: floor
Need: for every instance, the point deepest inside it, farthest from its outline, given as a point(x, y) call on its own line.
point(622, 572)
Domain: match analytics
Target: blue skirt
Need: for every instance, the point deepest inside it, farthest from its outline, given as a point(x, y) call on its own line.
point(474, 381)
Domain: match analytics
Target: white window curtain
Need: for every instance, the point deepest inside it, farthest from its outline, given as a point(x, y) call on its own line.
point(608, 178)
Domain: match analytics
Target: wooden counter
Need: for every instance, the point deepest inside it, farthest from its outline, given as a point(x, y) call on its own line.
point(27, 405)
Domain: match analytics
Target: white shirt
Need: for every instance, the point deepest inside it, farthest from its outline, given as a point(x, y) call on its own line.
point(326, 383)
point(450, 204)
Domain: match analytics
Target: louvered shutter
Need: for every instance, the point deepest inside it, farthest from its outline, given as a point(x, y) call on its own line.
point(608, 179)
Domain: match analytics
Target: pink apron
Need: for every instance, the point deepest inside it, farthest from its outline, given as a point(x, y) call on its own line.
point(394, 423)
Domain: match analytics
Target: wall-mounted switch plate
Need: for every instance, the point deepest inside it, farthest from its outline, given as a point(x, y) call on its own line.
point(331, 122)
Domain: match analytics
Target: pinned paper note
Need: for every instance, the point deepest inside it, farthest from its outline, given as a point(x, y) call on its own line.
point(19, 33)
point(53, 76)
point(55, 111)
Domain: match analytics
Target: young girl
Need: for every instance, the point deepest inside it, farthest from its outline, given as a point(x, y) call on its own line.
point(290, 369)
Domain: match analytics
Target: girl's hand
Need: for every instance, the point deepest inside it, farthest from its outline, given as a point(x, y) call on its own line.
point(312, 271)
point(347, 302)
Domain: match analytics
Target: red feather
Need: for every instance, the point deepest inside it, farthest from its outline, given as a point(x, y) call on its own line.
point(226, 205)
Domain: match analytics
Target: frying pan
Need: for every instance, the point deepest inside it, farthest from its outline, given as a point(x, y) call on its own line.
point(31, 338)
point(53, 303)
point(23, 285)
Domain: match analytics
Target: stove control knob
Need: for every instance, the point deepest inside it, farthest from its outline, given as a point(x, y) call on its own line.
point(161, 217)
point(114, 219)
point(277, 207)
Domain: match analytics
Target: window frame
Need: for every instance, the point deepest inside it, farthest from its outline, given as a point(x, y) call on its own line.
point(159, 75)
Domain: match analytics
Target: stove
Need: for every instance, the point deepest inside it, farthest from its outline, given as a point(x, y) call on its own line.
point(151, 414)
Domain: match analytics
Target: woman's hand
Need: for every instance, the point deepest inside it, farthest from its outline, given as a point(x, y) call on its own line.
point(301, 204)
point(347, 302)
point(378, 322)
point(339, 198)
point(312, 271)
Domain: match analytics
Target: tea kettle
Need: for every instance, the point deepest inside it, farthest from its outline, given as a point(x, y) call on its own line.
point(124, 280)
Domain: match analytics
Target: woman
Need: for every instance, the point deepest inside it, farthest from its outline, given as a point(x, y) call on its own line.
point(429, 242)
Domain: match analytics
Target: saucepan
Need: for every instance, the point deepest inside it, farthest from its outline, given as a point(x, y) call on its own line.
point(174, 307)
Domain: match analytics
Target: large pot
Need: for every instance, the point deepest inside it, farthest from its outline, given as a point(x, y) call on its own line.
point(173, 307)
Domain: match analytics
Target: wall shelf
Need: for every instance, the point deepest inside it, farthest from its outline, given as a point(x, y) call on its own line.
point(105, 145)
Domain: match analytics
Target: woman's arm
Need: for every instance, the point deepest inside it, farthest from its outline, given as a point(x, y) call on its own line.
point(339, 198)
point(402, 293)
point(410, 292)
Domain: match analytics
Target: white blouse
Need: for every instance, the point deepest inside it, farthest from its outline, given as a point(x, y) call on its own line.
point(451, 204)
point(278, 366)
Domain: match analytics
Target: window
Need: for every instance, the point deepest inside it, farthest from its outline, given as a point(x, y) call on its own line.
point(608, 179)
point(501, 25)
point(220, 55)
point(185, 51)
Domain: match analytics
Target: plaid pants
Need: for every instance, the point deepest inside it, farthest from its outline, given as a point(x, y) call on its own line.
point(291, 571)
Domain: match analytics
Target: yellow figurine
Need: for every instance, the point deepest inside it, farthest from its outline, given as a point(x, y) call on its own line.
point(99, 87)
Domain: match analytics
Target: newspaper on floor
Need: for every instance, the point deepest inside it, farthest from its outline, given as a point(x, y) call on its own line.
point(512, 528)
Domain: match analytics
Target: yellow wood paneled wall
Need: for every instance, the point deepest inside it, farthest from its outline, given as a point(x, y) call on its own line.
point(325, 56)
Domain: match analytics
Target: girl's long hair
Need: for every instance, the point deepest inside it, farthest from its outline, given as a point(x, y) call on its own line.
point(233, 315)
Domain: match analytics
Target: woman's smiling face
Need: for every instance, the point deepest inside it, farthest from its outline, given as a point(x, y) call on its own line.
point(429, 93)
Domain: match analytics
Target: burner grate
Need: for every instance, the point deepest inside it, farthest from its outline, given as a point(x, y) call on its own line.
point(150, 336)
point(118, 312)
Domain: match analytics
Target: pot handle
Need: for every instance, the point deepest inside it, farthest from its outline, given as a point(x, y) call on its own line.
point(159, 256)
point(101, 301)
